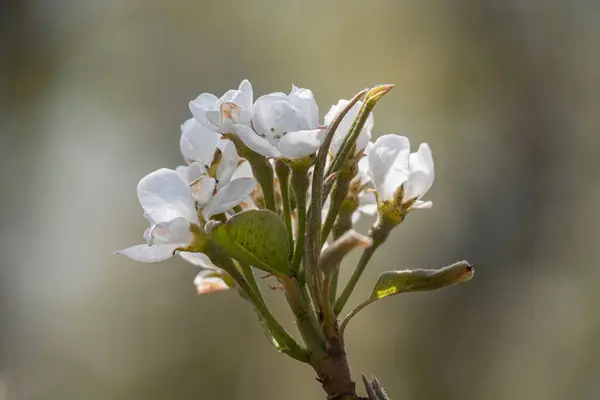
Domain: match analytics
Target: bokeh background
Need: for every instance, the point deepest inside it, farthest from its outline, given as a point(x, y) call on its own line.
point(506, 93)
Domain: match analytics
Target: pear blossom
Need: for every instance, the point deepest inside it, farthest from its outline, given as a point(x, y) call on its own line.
point(400, 178)
point(344, 127)
point(218, 177)
point(219, 114)
point(283, 126)
point(210, 281)
point(169, 207)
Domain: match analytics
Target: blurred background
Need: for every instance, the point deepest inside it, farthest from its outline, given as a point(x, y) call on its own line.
point(506, 93)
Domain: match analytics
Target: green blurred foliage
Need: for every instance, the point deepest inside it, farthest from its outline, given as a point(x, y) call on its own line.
point(506, 93)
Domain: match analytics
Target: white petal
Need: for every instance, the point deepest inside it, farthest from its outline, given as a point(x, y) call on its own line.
point(182, 170)
point(198, 259)
point(274, 116)
point(230, 196)
point(175, 232)
point(203, 189)
point(194, 171)
point(246, 94)
point(304, 100)
point(210, 281)
point(255, 142)
point(199, 106)
point(244, 170)
point(367, 203)
point(164, 196)
point(421, 173)
point(228, 164)
point(149, 254)
point(198, 143)
point(387, 152)
point(421, 205)
point(301, 143)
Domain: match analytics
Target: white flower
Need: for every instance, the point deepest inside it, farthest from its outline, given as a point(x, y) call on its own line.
point(344, 127)
point(399, 176)
point(218, 177)
point(169, 207)
point(219, 115)
point(210, 281)
point(283, 125)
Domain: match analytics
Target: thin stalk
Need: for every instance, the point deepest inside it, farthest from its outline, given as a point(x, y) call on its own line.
point(289, 344)
point(318, 197)
point(263, 172)
point(251, 279)
point(352, 313)
point(343, 224)
point(305, 317)
point(338, 196)
point(300, 183)
point(379, 233)
point(283, 175)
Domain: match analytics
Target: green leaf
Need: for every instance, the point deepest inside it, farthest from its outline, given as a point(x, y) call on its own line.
point(256, 237)
point(396, 282)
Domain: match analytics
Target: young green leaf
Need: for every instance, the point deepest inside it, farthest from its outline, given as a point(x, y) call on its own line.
point(256, 237)
point(396, 282)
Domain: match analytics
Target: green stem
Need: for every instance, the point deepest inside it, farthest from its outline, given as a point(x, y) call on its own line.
point(261, 168)
point(289, 345)
point(343, 224)
point(251, 279)
point(352, 313)
point(300, 183)
point(283, 174)
point(379, 233)
point(338, 196)
point(305, 317)
point(238, 209)
point(263, 172)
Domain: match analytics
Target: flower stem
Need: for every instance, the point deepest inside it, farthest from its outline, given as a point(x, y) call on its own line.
point(337, 199)
point(342, 225)
point(283, 175)
point(288, 344)
point(300, 183)
point(379, 233)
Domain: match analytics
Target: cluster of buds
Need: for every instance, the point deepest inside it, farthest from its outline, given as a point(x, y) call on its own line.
point(266, 186)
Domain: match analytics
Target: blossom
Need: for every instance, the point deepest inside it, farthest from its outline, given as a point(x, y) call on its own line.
point(219, 114)
point(169, 207)
point(218, 177)
point(400, 178)
point(344, 127)
point(285, 126)
point(210, 281)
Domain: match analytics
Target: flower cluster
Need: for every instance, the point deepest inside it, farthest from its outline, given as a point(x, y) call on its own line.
point(265, 186)
point(216, 182)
